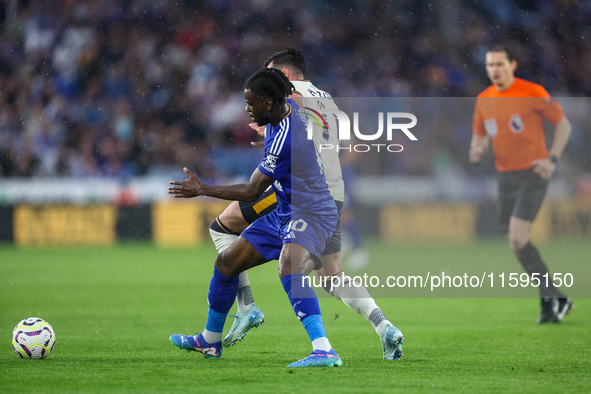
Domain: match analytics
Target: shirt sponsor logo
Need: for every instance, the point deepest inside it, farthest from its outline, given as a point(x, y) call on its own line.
point(270, 163)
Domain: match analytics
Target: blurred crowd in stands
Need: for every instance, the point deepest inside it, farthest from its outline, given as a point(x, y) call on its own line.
point(123, 88)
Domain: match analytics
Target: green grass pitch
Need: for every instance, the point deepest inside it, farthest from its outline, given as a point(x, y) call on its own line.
point(113, 310)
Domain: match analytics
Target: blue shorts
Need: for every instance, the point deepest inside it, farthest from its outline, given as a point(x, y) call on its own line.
point(268, 234)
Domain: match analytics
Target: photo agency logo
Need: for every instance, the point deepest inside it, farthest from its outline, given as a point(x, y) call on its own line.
point(395, 122)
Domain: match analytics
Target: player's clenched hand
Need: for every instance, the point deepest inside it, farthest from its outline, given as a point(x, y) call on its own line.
point(187, 188)
point(544, 168)
point(475, 154)
point(260, 131)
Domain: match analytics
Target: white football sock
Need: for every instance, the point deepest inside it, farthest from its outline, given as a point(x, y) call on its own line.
point(244, 297)
point(211, 337)
point(358, 299)
point(321, 344)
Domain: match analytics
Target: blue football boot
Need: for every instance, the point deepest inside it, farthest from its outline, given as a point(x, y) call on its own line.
point(198, 344)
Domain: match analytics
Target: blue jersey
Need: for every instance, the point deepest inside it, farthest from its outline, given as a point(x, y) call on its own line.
point(293, 161)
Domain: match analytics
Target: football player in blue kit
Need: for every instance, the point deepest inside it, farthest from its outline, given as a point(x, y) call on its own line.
point(295, 233)
point(226, 228)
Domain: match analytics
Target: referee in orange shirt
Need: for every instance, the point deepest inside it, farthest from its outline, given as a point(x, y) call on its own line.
point(511, 113)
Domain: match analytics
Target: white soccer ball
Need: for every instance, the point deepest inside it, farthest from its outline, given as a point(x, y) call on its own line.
point(33, 338)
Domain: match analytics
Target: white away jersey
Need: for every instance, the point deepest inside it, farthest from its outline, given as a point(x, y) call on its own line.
point(321, 102)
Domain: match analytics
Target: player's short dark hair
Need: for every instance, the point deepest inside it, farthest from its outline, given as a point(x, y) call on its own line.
point(501, 48)
point(289, 57)
point(270, 83)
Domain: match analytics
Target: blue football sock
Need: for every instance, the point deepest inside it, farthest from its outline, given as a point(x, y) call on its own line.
point(305, 305)
point(220, 297)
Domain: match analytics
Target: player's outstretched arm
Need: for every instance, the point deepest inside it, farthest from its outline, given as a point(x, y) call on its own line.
point(193, 187)
point(478, 148)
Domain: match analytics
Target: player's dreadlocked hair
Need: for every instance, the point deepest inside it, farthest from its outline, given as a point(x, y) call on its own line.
point(270, 83)
point(291, 58)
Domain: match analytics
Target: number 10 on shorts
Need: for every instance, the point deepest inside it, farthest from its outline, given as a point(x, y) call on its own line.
point(297, 225)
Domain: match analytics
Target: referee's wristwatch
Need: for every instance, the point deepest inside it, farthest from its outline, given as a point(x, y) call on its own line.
point(553, 159)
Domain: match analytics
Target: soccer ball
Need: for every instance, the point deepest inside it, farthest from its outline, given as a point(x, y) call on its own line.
point(33, 338)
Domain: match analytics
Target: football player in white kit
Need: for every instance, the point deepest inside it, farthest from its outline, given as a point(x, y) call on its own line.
point(239, 215)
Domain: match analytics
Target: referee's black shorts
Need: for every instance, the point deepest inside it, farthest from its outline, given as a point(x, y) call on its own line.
point(520, 194)
point(267, 202)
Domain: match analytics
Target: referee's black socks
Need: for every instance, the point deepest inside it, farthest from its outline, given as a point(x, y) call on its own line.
point(532, 262)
